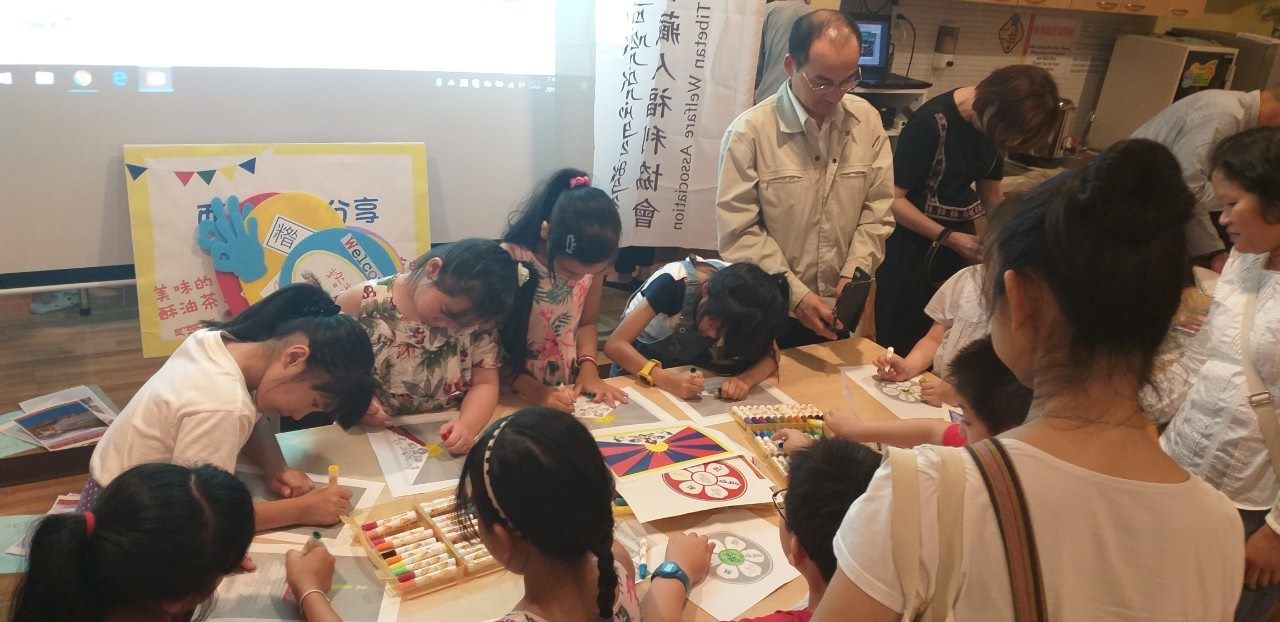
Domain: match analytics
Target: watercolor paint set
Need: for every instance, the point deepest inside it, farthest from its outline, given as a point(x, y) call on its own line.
point(421, 548)
point(763, 421)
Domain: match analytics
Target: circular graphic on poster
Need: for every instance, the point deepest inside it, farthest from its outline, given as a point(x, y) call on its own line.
point(736, 559)
point(335, 259)
point(713, 481)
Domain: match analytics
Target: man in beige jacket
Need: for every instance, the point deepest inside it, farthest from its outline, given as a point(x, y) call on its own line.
point(806, 178)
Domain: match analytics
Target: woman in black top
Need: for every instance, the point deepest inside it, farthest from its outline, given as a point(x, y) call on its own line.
point(953, 141)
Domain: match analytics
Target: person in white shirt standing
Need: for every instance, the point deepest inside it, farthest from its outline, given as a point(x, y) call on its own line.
point(1083, 277)
point(1191, 127)
point(1215, 432)
point(806, 178)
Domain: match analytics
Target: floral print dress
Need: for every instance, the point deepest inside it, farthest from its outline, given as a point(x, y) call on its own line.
point(553, 327)
point(420, 368)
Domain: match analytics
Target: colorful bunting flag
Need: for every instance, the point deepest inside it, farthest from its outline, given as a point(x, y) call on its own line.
point(135, 171)
point(207, 176)
point(184, 176)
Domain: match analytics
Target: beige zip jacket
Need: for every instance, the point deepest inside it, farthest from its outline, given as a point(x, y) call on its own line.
point(784, 207)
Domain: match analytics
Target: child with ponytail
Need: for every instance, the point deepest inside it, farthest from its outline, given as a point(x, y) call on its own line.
point(435, 341)
point(540, 497)
point(157, 544)
point(289, 354)
point(569, 231)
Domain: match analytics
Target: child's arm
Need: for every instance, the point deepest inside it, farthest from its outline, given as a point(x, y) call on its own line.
point(350, 301)
point(308, 571)
point(664, 602)
point(899, 369)
point(534, 392)
point(477, 408)
point(620, 350)
point(263, 449)
point(737, 387)
point(322, 506)
point(899, 433)
point(587, 340)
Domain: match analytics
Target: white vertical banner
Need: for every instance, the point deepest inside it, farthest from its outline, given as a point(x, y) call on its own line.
point(670, 77)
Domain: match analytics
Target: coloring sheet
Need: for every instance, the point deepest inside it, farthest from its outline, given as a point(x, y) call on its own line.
point(64, 504)
point(707, 409)
point(634, 451)
point(364, 494)
point(747, 562)
point(413, 460)
point(358, 594)
point(902, 398)
point(638, 410)
point(700, 487)
point(92, 397)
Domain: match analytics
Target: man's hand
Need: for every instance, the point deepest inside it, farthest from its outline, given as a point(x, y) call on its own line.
point(817, 316)
point(1262, 559)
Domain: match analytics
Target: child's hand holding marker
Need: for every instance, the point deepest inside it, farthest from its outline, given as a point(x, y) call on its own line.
point(326, 505)
point(892, 368)
point(309, 573)
point(561, 397)
point(683, 384)
point(457, 437)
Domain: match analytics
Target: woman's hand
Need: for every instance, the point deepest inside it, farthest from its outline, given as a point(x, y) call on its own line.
point(968, 246)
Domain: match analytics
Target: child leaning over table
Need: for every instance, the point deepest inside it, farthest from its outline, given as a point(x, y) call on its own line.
point(991, 401)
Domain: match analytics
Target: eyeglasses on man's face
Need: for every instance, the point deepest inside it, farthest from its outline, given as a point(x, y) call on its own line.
point(821, 88)
point(780, 504)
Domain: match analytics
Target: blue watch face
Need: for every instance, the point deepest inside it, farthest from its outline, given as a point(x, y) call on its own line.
point(667, 569)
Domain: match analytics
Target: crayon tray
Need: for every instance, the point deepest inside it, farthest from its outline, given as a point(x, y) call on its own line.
point(475, 558)
point(761, 422)
point(375, 543)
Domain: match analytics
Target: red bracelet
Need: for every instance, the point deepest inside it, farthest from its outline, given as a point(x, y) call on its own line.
point(587, 357)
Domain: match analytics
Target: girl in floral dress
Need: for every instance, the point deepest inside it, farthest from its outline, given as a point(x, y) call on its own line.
point(569, 232)
point(434, 334)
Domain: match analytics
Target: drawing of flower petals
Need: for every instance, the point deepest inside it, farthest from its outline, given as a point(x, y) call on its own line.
point(727, 572)
point(750, 569)
point(734, 542)
point(754, 555)
point(717, 469)
point(716, 492)
point(704, 478)
point(731, 483)
point(680, 475)
point(691, 488)
point(716, 546)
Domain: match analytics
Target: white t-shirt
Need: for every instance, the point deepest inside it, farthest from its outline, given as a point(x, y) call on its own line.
point(1110, 548)
point(195, 410)
point(958, 306)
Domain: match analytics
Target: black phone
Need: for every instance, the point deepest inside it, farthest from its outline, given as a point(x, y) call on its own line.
point(853, 299)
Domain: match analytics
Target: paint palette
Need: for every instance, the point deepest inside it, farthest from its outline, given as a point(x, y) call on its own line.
point(421, 549)
point(761, 422)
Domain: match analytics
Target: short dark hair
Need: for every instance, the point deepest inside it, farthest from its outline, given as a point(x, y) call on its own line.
point(751, 306)
point(994, 394)
point(477, 270)
point(1252, 159)
point(1107, 241)
point(825, 479)
point(812, 25)
point(1023, 100)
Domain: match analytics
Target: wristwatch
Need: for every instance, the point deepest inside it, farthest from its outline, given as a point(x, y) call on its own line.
point(646, 372)
point(671, 570)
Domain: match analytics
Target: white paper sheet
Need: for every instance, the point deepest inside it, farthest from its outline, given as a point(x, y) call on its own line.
point(408, 467)
point(364, 494)
point(707, 409)
point(358, 595)
point(698, 488)
point(747, 563)
point(64, 504)
point(638, 410)
point(902, 398)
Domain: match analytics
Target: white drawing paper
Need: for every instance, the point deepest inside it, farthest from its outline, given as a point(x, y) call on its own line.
point(902, 398)
point(364, 494)
point(747, 563)
point(638, 410)
point(410, 468)
point(358, 594)
point(707, 409)
point(710, 486)
point(64, 504)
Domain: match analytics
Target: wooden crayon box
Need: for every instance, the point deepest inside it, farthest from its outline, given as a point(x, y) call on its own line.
point(761, 422)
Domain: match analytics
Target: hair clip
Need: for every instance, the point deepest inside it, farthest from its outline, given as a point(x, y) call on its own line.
point(581, 180)
point(569, 244)
point(522, 274)
point(488, 481)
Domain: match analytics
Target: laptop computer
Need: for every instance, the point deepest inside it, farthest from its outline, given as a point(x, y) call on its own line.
point(876, 33)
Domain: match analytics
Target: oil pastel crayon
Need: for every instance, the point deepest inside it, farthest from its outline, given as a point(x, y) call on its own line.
point(398, 518)
point(426, 573)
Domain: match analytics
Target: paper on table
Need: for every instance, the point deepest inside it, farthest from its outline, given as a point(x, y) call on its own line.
point(13, 439)
point(747, 563)
point(364, 494)
point(902, 398)
point(14, 530)
point(707, 409)
point(711, 486)
point(63, 426)
point(64, 504)
point(358, 595)
point(635, 450)
point(89, 396)
point(638, 410)
point(410, 468)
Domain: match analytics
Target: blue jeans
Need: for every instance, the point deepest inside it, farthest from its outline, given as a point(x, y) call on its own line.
point(1256, 605)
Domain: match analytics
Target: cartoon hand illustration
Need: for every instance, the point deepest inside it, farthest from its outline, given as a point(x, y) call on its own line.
point(231, 240)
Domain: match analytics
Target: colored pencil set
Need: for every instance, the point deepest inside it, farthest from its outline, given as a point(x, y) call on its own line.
point(421, 553)
point(761, 422)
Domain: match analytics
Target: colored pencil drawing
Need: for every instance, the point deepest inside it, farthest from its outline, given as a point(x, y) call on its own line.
point(358, 594)
point(908, 392)
point(638, 410)
point(903, 399)
point(411, 455)
point(707, 408)
point(737, 559)
point(363, 495)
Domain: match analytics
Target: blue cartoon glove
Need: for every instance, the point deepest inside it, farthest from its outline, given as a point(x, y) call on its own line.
point(231, 240)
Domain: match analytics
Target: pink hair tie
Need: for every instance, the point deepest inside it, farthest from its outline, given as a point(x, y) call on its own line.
point(582, 180)
point(88, 524)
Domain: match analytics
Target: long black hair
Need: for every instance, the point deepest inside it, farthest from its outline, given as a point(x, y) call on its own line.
point(583, 224)
point(751, 307)
point(1107, 240)
point(479, 271)
point(546, 474)
point(341, 355)
point(161, 533)
point(1252, 160)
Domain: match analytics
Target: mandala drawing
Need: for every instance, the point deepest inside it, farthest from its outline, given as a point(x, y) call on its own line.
point(713, 481)
point(735, 559)
point(906, 392)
